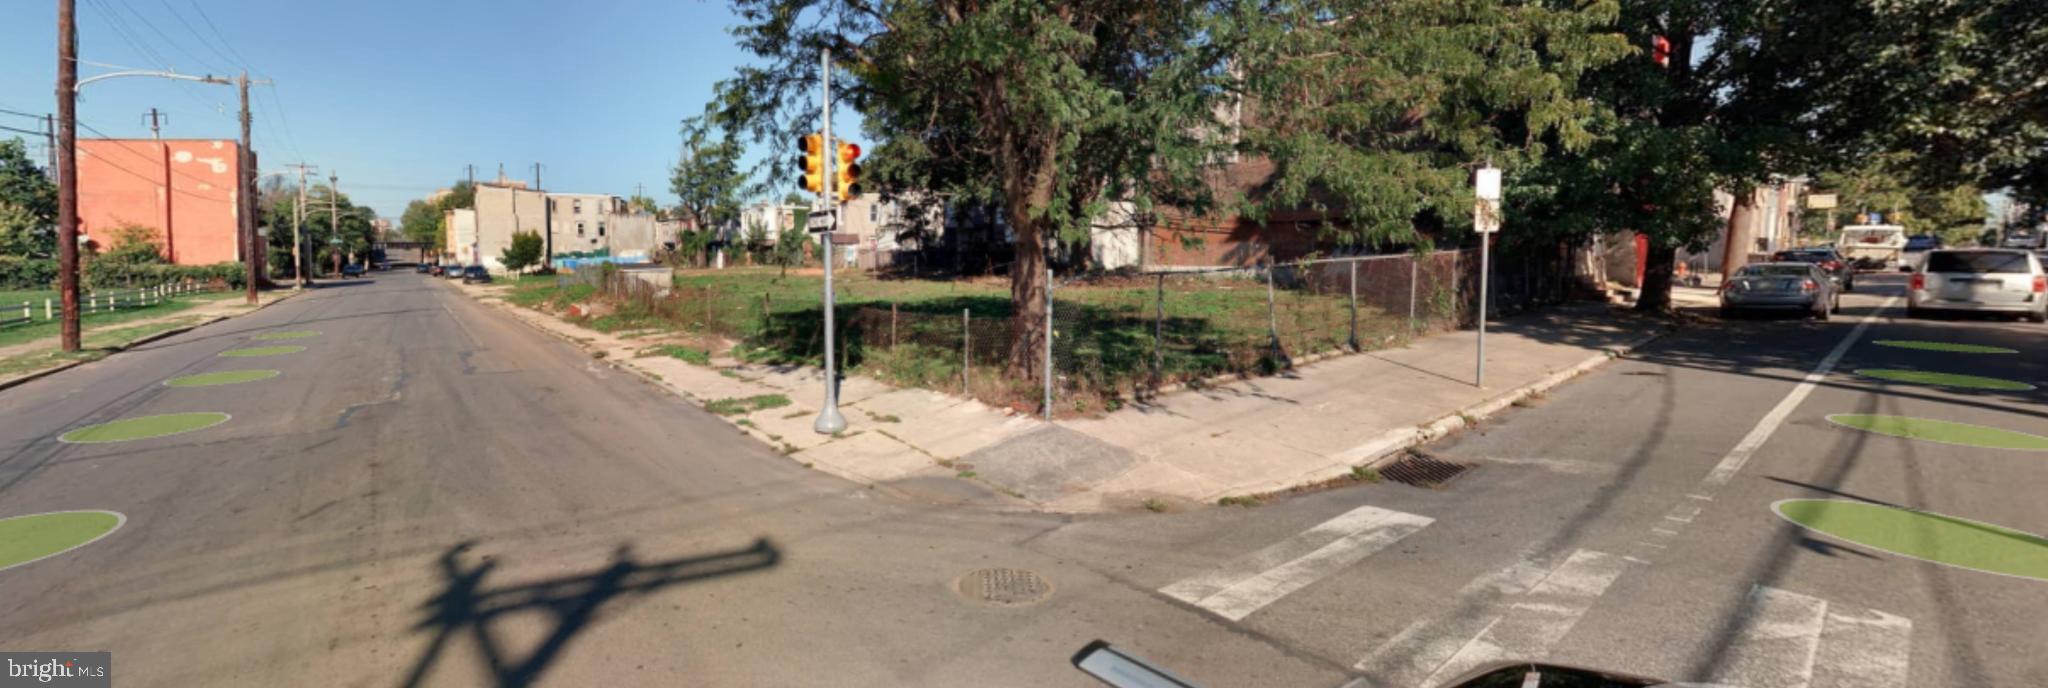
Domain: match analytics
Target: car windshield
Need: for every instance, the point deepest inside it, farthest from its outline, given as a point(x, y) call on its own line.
point(1978, 262)
point(1775, 271)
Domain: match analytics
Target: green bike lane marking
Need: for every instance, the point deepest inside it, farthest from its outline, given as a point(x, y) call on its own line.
point(1945, 432)
point(262, 351)
point(1922, 377)
point(225, 377)
point(34, 537)
point(293, 334)
point(1944, 347)
point(145, 427)
point(1923, 535)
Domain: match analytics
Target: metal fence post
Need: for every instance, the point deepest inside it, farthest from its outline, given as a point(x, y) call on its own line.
point(1273, 314)
point(966, 352)
point(1048, 344)
point(1159, 333)
point(1414, 275)
point(892, 324)
point(1354, 304)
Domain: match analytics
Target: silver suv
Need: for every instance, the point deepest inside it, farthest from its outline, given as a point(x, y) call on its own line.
point(1980, 280)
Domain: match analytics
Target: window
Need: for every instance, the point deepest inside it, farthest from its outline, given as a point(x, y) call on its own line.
point(579, 228)
point(1978, 262)
point(600, 229)
point(576, 206)
point(874, 213)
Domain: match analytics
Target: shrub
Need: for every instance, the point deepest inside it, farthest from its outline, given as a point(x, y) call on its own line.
point(27, 273)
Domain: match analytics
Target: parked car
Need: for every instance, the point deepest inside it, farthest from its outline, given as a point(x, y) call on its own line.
point(424, 268)
point(352, 270)
point(1795, 287)
point(384, 266)
point(1874, 247)
point(1837, 267)
point(1987, 280)
point(475, 273)
point(453, 271)
point(1916, 250)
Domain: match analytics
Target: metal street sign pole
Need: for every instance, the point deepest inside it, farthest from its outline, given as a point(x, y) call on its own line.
point(1486, 221)
point(829, 420)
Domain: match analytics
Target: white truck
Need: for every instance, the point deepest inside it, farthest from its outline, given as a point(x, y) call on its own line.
point(1873, 247)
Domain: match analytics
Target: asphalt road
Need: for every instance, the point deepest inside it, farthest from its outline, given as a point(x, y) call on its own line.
point(432, 494)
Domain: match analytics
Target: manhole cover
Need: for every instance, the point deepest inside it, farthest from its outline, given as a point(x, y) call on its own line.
point(1423, 471)
point(1003, 587)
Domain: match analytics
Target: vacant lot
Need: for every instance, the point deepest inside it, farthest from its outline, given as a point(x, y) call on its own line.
point(1115, 338)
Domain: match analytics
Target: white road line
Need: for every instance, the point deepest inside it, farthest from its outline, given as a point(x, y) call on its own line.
point(1775, 641)
point(1870, 650)
point(1733, 461)
point(1429, 642)
point(1253, 581)
point(1527, 629)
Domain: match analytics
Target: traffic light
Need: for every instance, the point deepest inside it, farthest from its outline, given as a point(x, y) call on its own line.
point(811, 161)
point(847, 173)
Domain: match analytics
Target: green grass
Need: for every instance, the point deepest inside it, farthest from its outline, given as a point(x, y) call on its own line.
point(744, 405)
point(686, 354)
point(909, 331)
point(37, 360)
point(123, 336)
point(17, 334)
point(14, 297)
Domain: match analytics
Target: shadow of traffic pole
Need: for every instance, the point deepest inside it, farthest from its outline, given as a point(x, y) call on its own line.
point(572, 601)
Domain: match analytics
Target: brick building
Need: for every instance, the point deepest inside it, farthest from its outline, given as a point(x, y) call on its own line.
point(123, 181)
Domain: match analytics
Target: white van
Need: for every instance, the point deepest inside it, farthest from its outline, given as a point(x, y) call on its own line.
point(1873, 247)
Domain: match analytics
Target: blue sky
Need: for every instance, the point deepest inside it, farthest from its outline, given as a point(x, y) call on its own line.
point(398, 96)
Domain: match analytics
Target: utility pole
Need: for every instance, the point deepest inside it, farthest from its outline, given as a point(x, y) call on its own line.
point(251, 252)
point(298, 234)
point(156, 132)
point(829, 419)
point(67, 170)
point(547, 221)
point(334, 219)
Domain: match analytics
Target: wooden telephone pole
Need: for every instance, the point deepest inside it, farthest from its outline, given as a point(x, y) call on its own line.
point(156, 132)
point(67, 170)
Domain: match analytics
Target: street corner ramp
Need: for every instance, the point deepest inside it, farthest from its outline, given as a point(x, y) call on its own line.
point(1048, 463)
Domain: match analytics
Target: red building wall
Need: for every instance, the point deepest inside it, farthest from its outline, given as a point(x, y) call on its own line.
point(121, 181)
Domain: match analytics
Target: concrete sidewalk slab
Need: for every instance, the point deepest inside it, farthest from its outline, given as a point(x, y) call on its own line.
point(1247, 437)
point(1049, 463)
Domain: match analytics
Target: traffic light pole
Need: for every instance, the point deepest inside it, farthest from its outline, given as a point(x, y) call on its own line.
point(829, 419)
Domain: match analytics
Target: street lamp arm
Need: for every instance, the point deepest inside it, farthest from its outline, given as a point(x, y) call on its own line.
point(208, 79)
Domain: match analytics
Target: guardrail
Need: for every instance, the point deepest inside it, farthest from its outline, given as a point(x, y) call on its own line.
point(97, 302)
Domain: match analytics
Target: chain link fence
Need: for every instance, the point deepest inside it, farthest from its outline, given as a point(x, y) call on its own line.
point(1116, 338)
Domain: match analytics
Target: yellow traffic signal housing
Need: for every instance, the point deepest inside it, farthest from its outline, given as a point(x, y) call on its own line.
point(846, 177)
point(811, 161)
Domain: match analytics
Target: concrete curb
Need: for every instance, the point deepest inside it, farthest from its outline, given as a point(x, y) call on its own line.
point(1390, 446)
point(26, 378)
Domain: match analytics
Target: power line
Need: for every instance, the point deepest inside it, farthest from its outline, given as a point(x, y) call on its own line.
point(195, 32)
point(146, 23)
point(244, 64)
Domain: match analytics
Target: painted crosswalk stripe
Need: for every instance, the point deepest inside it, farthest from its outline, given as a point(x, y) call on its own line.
point(1787, 640)
point(1251, 582)
point(1526, 629)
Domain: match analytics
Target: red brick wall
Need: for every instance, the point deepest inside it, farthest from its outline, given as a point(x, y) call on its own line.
point(121, 181)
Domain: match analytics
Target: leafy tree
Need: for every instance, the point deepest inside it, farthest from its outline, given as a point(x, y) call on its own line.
point(523, 252)
point(133, 244)
point(421, 222)
point(644, 204)
point(708, 178)
point(1964, 79)
point(29, 229)
point(461, 194)
point(789, 247)
point(1753, 88)
point(757, 246)
point(1051, 109)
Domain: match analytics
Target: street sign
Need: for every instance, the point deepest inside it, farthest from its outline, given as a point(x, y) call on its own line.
point(821, 222)
point(845, 238)
point(1486, 216)
point(1820, 201)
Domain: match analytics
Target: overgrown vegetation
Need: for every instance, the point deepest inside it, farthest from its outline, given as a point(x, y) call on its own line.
point(745, 405)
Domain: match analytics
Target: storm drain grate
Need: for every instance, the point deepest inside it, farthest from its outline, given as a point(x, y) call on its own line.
point(1003, 587)
point(1422, 470)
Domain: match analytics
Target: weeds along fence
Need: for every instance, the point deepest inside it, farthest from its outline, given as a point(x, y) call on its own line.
point(1116, 337)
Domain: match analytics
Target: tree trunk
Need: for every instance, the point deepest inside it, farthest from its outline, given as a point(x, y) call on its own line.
point(1735, 251)
point(1654, 294)
point(1028, 185)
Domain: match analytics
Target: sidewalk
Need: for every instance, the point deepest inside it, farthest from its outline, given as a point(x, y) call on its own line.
point(224, 306)
point(1246, 438)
